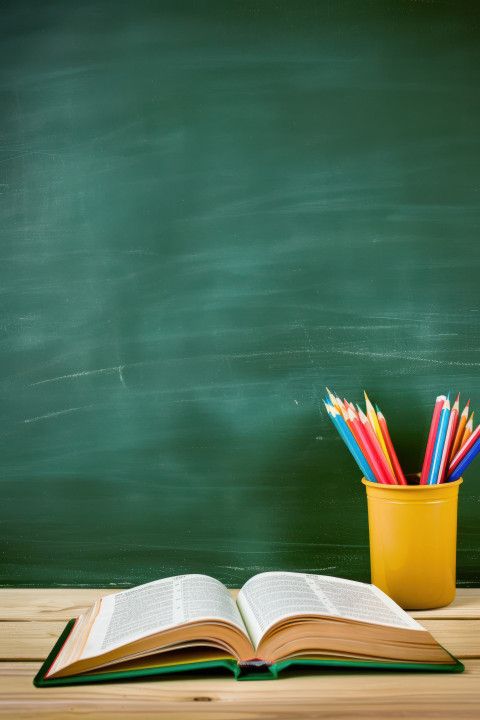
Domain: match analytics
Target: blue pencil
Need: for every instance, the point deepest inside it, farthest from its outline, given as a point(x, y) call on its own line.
point(439, 443)
point(346, 435)
point(472, 453)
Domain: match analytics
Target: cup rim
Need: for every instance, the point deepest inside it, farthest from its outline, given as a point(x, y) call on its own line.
point(368, 483)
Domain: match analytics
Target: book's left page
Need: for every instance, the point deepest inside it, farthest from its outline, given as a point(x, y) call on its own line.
point(161, 614)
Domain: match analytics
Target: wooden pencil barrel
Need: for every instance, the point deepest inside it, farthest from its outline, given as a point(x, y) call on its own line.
point(413, 542)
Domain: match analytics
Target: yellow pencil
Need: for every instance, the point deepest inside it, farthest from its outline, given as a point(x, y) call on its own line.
point(372, 416)
point(460, 431)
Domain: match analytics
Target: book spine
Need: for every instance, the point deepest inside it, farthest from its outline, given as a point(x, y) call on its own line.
point(255, 670)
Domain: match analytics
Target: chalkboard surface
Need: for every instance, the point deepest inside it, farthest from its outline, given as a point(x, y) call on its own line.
point(210, 210)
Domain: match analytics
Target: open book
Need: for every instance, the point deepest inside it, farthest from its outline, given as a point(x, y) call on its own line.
point(278, 619)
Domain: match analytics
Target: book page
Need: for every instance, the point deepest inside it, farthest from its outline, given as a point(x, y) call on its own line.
point(269, 597)
point(157, 606)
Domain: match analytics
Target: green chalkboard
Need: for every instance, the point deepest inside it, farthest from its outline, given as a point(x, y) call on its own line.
point(208, 211)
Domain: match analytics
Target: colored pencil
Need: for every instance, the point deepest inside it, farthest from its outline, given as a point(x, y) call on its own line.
point(463, 464)
point(439, 443)
point(468, 430)
point(350, 442)
point(368, 449)
point(400, 477)
point(353, 428)
point(460, 430)
point(431, 439)
point(334, 400)
point(351, 406)
point(452, 442)
point(372, 416)
point(374, 445)
point(449, 438)
point(464, 450)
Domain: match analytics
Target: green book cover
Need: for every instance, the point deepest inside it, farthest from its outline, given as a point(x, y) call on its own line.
point(248, 671)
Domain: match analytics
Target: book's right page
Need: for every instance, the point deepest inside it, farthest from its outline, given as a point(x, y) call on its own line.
point(273, 596)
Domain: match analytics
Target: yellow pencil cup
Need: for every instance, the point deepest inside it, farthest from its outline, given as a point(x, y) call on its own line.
point(413, 542)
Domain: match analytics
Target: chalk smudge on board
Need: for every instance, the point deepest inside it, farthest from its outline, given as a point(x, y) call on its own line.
point(56, 414)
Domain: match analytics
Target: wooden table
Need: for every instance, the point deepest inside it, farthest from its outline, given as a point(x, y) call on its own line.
point(31, 620)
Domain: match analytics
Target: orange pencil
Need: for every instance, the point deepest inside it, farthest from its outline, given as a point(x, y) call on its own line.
point(391, 450)
point(460, 431)
point(368, 449)
point(372, 416)
point(468, 430)
point(388, 474)
point(464, 450)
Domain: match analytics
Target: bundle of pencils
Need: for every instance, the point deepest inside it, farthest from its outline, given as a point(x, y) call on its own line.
point(367, 437)
point(452, 442)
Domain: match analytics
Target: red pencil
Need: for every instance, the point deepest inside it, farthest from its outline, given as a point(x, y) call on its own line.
point(354, 428)
point(431, 439)
point(382, 460)
point(464, 449)
point(367, 448)
point(449, 440)
point(391, 450)
point(351, 406)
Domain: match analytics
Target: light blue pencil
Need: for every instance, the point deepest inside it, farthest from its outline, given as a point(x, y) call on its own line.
point(439, 443)
point(346, 435)
point(472, 453)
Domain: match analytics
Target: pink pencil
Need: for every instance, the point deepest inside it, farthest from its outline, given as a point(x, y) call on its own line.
point(431, 438)
point(449, 439)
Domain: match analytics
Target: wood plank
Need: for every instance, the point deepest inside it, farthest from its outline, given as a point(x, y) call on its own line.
point(459, 637)
point(325, 694)
point(63, 603)
point(47, 603)
point(335, 695)
point(466, 605)
point(34, 640)
point(28, 640)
